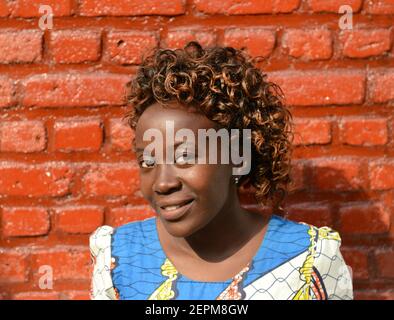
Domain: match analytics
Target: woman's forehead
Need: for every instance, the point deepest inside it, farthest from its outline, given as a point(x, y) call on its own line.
point(177, 116)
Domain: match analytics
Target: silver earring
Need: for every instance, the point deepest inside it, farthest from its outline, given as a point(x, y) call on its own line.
point(236, 180)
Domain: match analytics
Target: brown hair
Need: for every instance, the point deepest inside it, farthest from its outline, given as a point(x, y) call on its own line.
point(228, 88)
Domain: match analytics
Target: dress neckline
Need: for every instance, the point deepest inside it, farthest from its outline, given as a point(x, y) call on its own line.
point(228, 281)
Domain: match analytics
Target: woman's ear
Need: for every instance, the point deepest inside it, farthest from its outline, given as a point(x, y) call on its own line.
point(242, 181)
point(236, 180)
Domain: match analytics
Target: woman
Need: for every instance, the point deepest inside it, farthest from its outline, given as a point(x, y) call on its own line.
point(203, 244)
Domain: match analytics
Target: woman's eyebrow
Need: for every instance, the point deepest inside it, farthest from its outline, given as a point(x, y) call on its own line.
point(187, 144)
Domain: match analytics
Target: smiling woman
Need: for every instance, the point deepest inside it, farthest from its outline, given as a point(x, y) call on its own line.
point(203, 244)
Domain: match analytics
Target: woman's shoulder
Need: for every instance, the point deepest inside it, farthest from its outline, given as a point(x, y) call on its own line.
point(291, 238)
point(100, 237)
point(284, 227)
point(139, 227)
point(321, 241)
point(103, 243)
point(324, 261)
point(100, 252)
point(310, 258)
point(99, 240)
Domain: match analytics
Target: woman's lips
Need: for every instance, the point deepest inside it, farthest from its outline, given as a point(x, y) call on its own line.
point(174, 212)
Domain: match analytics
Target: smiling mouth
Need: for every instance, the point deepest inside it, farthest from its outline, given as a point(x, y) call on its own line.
point(176, 212)
point(174, 207)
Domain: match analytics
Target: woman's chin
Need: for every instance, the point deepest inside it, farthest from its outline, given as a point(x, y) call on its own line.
point(180, 228)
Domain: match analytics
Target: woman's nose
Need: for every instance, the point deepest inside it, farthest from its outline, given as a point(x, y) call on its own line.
point(166, 181)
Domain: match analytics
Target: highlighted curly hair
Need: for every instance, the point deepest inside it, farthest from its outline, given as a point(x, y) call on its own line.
point(225, 85)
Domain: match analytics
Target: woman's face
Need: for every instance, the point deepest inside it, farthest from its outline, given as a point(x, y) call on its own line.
point(185, 196)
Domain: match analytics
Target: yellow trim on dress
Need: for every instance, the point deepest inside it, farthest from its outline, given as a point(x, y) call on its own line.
point(165, 290)
point(307, 268)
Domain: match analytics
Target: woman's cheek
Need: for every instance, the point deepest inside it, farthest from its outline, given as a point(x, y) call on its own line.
point(146, 188)
point(206, 180)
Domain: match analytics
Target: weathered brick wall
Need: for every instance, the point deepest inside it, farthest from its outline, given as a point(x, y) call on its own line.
point(65, 160)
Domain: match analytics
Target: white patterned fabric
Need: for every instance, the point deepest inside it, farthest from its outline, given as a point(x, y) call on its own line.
point(100, 248)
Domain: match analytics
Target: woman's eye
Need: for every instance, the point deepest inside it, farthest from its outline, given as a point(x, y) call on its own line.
point(147, 163)
point(185, 158)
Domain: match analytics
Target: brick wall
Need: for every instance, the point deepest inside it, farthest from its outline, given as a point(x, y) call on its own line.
point(65, 155)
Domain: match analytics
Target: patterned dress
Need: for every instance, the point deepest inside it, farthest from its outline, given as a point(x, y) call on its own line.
point(295, 261)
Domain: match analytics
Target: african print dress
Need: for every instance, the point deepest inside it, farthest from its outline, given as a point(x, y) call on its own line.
point(295, 261)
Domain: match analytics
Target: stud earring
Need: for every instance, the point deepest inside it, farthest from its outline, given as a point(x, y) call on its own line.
point(236, 180)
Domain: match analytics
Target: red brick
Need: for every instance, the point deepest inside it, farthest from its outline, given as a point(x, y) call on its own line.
point(236, 7)
point(312, 131)
point(357, 259)
point(257, 41)
point(179, 38)
point(79, 219)
point(18, 46)
point(373, 295)
point(365, 43)
point(71, 263)
point(68, 135)
point(78, 295)
point(75, 46)
point(18, 179)
point(120, 216)
point(4, 9)
point(75, 90)
point(381, 175)
point(364, 131)
point(121, 135)
point(379, 6)
point(364, 219)
point(13, 266)
point(337, 174)
point(36, 296)
point(333, 5)
point(325, 87)
point(131, 8)
point(28, 221)
point(387, 198)
point(22, 136)
point(315, 214)
point(380, 85)
point(111, 180)
point(310, 44)
point(7, 92)
point(385, 263)
point(30, 8)
point(297, 176)
point(128, 47)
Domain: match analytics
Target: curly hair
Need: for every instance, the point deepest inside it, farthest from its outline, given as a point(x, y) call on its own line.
point(225, 85)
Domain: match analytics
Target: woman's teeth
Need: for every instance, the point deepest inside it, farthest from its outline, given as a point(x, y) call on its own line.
point(169, 208)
